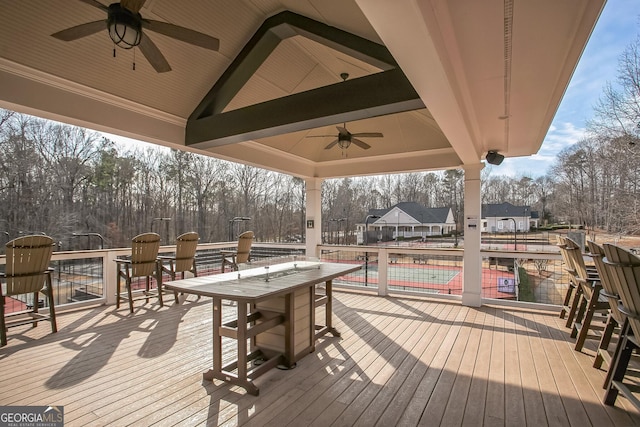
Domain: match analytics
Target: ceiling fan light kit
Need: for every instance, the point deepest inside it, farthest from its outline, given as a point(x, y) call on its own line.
point(124, 27)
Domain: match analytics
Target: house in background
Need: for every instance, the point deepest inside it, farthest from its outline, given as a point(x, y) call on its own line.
point(405, 220)
point(507, 218)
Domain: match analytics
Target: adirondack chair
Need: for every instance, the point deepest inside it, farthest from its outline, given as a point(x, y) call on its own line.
point(184, 260)
point(241, 255)
point(615, 318)
point(574, 292)
point(26, 273)
point(591, 302)
point(625, 271)
point(144, 263)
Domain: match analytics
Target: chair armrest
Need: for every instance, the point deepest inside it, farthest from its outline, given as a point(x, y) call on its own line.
point(166, 258)
point(122, 261)
point(228, 252)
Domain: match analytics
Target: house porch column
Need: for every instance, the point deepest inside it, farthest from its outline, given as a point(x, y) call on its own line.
point(313, 188)
point(472, 260)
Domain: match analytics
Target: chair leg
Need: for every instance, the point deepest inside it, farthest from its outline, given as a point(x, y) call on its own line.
point(128, 284)
point(586, 323)
point(35, 308)
point(175, 293)
point(52, 307)
point(118, 290)
point(582, 306)
point(605, 340)
point(147, 284)
point(3, 329)
point(618, 367)
point(574, 306)
point(567, 300)
point(159, 283)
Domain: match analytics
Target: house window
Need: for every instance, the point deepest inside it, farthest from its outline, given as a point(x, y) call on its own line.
point(500, 225)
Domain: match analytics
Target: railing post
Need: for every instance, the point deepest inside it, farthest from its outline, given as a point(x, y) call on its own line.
point(110, 276)
point(383, 268)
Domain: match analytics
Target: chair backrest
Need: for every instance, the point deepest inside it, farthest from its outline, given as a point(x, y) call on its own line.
point(186, 245)
point(562, 244)
point(144, 254)
point(610, 288)
point(244, 247)
point(574, 254)
point(625, 271)
point(28, 259)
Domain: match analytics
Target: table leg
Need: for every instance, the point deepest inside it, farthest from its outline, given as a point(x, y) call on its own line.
point(217, 342)
point(242, 341)
point(289, 313)
point(329, 309)
point(312, 317)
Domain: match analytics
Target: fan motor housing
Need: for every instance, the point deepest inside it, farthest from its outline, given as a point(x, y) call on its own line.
point(125, 28)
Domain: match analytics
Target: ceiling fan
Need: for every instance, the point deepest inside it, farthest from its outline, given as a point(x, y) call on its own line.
point(124, 24)
point(345, 138)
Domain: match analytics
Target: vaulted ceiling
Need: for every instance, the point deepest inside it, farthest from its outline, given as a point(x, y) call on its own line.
point(443, 81)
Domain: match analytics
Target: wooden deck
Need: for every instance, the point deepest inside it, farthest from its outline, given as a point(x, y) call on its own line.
point(400, 361)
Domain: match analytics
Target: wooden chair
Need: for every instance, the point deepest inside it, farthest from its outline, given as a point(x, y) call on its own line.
point(184, 259)
point(574, 292)
point(625, 271)
point(241, 255)
point(144, 262)
point(27, 272)
point(615, 319)
point(590, 301)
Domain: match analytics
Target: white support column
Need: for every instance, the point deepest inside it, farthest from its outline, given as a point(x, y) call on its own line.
point(110, 274)
point(313, 216)
point(472, 261)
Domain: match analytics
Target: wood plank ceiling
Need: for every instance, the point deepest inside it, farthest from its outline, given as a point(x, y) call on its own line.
point(487, 75)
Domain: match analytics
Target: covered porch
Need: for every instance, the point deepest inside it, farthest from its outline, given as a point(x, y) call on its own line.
point(439, 84)
point(444, 82)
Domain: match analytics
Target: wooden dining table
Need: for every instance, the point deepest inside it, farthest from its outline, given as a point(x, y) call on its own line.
point(276, 322)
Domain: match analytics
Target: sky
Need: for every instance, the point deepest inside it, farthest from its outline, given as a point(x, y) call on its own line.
point(617, 27)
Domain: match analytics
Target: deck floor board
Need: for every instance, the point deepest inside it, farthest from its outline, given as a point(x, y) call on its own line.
point(400, 361)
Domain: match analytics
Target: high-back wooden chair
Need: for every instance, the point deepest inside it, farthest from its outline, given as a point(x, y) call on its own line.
point(184, 259)
point(609, 291)
point(591, 302)
point(27, 272)
point(241, 255)
point(144, 263)
point(625, 272)
point(573, 294)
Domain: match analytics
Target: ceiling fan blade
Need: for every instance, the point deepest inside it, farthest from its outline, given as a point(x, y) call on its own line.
point(183, 34)
point(320, 136)
point(96, 3)
point(80, 31)
point(333, 143)
point(368, 134)
point(153, 55)
point(360, 144)
point(132, 5)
